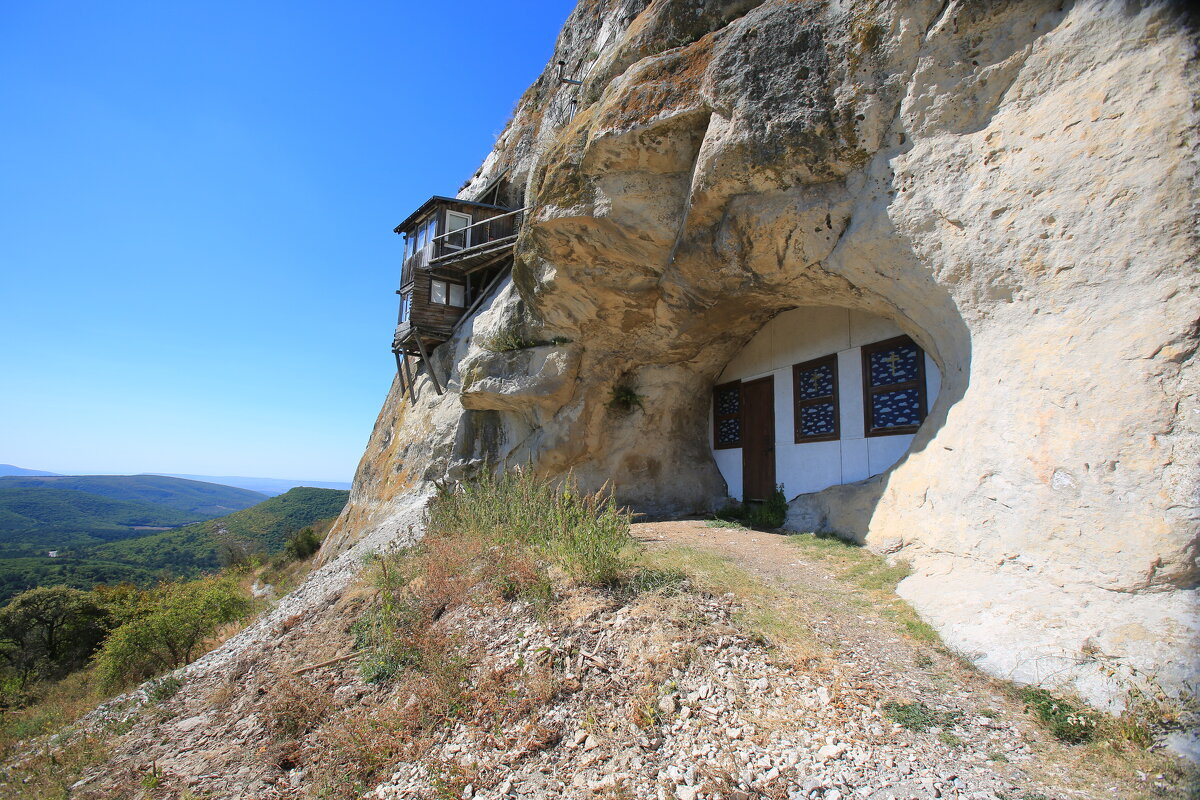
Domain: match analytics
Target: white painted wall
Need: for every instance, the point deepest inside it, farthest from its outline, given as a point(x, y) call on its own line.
point(802, 335)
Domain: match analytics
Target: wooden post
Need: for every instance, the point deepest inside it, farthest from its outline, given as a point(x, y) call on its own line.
point(412, 386)
point(428, 364)
point(400, 374)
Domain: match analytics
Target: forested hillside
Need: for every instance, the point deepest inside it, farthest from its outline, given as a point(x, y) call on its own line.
point(264, 528)
point(200, 500)
point(99, 540)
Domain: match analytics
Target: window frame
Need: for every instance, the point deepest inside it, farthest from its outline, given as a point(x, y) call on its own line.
point(869, 392)
point(466, 231)
point(797, 403)
point(719, 418)
point(447, 283)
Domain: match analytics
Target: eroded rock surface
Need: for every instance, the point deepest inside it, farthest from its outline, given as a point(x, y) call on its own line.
point(1013, 183)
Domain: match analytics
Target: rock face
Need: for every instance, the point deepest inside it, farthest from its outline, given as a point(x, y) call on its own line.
point(1012, 183)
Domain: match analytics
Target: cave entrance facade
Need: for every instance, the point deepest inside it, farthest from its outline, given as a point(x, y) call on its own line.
point(820, 396)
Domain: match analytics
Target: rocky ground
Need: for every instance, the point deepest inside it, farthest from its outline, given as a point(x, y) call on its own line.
point(794, 685)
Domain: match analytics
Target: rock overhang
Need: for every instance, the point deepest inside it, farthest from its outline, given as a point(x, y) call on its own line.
point(952, 167)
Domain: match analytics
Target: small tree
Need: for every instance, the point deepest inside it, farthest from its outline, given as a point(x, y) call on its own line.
point(50, 631)
point(234, 552)
point(170, 630)
point(301, 544)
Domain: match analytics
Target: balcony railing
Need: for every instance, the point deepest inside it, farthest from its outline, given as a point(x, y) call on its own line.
point(471, 239)
point(477, 235)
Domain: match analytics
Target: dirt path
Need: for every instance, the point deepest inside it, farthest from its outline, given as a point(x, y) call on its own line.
point(868, 640)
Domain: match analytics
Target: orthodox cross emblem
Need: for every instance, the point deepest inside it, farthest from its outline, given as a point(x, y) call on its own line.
point(893, 359)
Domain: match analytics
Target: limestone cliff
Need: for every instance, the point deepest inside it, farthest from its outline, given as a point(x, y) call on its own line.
point(1012, 183)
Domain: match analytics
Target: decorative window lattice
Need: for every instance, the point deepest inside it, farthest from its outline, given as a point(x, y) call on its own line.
point(894, 386)
point(727, 415)
point(815, 387)
point(817, 420)
point(896, 409)
point(816, 382)
point(729, 431)
point(895, 365)
point(728, 401)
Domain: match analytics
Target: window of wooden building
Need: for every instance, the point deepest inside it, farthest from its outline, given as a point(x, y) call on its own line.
point(422, 235)
point(458, 234)
point(445, 293)
point(727, 415)
point(893, 387)
point(815, 391)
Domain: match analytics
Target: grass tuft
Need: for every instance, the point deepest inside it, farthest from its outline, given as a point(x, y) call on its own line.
point(919, 717)
point(1065, 720)
point(582, 533)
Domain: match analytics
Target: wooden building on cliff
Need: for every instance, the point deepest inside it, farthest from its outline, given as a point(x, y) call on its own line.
point(455, 252)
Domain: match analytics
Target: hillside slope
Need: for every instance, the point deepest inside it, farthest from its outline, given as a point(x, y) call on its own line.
point(803, 682)
point(105, 550)
point(196, 498)
point(62, 517)
point(263, 527)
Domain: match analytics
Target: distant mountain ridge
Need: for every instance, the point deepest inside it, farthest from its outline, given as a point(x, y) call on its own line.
point(10, 469)
point(197, 498)
point(268, 486)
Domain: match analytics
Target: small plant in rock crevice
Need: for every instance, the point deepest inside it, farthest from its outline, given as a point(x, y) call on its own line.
point(510, 341)
point(165, 688)
point(625, 399)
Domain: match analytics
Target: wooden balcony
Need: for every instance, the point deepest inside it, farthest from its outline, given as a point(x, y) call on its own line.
point(457, 252)
point(467, 249)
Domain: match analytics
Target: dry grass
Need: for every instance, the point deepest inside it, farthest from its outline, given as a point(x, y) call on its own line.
point(504, 539)
point(768, 613)
point(34, 769)
point(872, 574)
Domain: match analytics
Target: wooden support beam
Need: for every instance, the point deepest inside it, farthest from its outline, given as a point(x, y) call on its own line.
point(428, 365)
point(399, 374)
point(412, 386)
point(480, 298)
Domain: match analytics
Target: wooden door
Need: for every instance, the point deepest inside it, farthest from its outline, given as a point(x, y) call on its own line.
point(758, 438)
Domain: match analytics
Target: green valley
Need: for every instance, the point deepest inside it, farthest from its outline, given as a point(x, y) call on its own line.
point(140, 529)
point(198, 499)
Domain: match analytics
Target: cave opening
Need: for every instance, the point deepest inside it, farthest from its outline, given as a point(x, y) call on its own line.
point(820, 396)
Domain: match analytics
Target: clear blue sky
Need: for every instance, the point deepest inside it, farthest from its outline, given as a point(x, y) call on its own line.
point(196, 201)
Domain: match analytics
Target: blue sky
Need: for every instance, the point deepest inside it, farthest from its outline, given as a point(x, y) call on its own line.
point(196, 201)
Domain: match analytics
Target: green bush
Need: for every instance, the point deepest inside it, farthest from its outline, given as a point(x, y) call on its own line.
point(50, 631)
point(772, 513)
point(168, 629)
point(302, 544)
point(582, 533)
